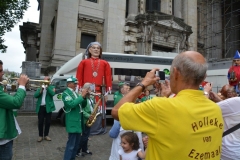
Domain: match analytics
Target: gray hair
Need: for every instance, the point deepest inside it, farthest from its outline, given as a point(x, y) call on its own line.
point(90, 45)
point(193, 72)
point(86, 85)
point(124, 84)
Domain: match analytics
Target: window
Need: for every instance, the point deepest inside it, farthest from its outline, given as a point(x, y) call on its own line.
point(158, 48)
point(153, 5)
point(60, 85)
point(130, 72)
point(130, 76)
point(95, 1)
point(86, 39)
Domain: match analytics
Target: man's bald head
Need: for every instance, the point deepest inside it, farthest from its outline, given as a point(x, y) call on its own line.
point(195, 56)
point(224, 90)
point(192, 67)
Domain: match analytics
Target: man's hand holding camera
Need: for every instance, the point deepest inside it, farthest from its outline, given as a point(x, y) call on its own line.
point(165, 90)
point(150, 78)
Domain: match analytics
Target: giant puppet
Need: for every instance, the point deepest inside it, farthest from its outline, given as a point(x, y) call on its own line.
point(97, 71)
point(234, 71)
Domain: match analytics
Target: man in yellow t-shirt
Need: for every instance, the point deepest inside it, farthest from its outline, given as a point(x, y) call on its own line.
point(188, 126)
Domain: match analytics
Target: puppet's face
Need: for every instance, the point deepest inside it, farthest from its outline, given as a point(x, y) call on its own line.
point(95, 51)
point(237, 62)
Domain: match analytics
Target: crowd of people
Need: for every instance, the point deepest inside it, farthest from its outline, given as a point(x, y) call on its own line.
point(185, 120)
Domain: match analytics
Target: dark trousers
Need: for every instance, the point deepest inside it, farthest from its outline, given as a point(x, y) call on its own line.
point(6, 151)
point(84, 140)
point(42, 114)
point(72, 146)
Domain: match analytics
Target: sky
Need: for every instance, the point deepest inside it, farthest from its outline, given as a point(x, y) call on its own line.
point(12, 59)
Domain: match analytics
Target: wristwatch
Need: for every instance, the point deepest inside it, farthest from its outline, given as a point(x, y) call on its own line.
point(205, 93)
point(141, 85)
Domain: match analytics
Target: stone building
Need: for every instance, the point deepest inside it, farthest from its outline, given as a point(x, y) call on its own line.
point(29, 34)
point(136, 27)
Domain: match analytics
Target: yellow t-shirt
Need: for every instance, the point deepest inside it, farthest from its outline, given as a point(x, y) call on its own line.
point(186, 127)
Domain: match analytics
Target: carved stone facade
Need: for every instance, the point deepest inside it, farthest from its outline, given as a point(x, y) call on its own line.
point(91, 26)
point(155, 29)
point(30, 36)
point(121, 26)
point(131, 27)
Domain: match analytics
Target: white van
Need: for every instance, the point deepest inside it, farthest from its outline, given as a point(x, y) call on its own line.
point(218, 78)
point(217, 73)
point(125, 67)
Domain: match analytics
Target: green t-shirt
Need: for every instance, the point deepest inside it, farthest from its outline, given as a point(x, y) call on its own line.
point(146, 98)
point(117, 96)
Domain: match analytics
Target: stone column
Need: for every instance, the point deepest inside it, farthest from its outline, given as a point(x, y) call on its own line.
point(166, 6)
point(216, 28)
point(178, 8)
point(114, 15)
point(65, 32)
point(47, 13)
point(132, 7)
point(190, 18)
point(132, 10)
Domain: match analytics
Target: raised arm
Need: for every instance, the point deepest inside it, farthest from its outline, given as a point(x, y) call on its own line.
point(131, 96)
point(16, 101)
point(51, 90)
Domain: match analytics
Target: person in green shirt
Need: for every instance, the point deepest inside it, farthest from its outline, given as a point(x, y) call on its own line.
point(147, 96)
point(123, 89)
point(73, 108)
point(44, 108)
point(9, 128)
point(87, 115)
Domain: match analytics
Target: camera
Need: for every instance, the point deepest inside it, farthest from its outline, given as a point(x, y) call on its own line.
point(161, 75)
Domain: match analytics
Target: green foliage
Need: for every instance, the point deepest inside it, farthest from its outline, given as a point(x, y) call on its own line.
point(13, 74)
point(11, 12)
point(10, 74)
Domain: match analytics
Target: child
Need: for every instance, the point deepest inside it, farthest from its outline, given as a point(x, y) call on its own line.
point(130, 147)
point(147, 96)
point(115, 132)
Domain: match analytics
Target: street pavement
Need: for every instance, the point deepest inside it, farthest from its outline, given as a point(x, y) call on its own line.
point(26, 147)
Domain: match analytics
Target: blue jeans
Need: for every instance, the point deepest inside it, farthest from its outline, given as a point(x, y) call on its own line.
point(84, 139)
point(6, 151)
point(72, 146)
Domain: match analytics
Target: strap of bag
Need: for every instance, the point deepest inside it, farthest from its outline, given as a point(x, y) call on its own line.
point(234, 128)
point(63, 106)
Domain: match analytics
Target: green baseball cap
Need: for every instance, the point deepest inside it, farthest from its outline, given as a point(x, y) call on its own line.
point(72, 79)
point(123, 83)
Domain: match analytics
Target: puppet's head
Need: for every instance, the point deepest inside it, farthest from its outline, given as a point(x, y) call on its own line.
point(236, 58)
point(94, 49)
